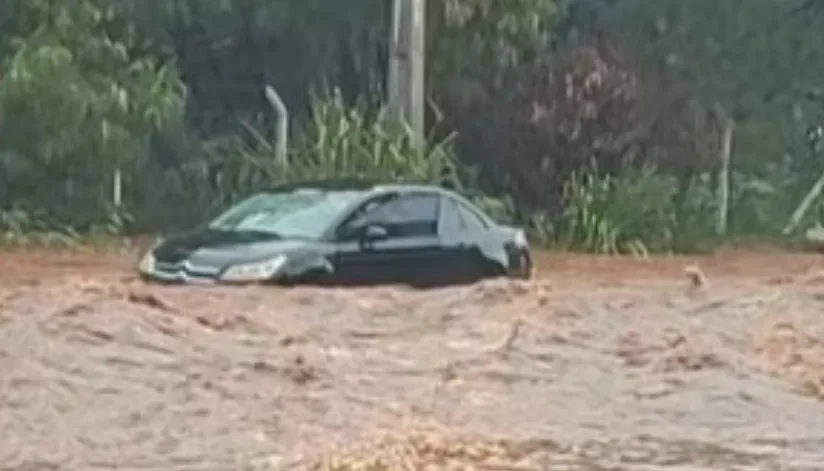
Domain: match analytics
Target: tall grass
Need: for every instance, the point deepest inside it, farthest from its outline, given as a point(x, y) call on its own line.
point(343, 141)
point(336, 141)
point(643, 210)
point(628, 213)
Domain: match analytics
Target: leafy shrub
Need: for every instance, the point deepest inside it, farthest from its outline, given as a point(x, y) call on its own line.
point(19, 226)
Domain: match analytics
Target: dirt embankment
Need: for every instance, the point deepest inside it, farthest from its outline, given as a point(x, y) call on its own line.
point(601, 363)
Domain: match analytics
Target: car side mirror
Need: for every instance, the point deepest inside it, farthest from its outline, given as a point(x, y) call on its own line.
point(374, 233)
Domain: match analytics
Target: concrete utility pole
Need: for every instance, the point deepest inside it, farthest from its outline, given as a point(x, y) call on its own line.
point(407, 96)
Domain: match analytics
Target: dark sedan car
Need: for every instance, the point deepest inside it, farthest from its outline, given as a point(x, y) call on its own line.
point(344, 232)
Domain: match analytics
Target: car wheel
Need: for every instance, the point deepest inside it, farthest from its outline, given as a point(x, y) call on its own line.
point(523, 266)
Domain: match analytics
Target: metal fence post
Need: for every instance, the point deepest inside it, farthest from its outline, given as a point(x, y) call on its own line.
point(282, 129)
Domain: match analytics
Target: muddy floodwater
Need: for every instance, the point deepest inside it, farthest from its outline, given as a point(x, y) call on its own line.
point(599, 364)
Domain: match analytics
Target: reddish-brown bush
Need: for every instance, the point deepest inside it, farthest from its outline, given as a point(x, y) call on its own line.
point(584, 111)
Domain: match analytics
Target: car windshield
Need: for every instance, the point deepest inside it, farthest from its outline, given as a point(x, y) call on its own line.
point(303, 214)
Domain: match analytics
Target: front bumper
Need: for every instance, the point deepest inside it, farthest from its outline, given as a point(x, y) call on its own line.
point(181, 273)
point(178, 279)
point(183, 276)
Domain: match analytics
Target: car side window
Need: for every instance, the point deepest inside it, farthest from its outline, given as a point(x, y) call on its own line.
point(457, 218)
point(451, 222)
point(408, 215)
point(471, 221)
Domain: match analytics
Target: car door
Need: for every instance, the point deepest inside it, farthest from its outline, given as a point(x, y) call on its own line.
point(409, 254)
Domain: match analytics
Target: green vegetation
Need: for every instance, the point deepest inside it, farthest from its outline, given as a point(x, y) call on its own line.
point(600, 125)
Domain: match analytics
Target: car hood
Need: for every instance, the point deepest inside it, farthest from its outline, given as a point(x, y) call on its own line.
point(217, 249)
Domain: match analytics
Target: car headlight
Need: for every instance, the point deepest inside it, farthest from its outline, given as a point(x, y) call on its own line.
point(257, 271)
point(147, 263)
point(520, 239)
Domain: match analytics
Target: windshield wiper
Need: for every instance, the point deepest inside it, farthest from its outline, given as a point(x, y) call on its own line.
point(255, 234)
point(260, 233)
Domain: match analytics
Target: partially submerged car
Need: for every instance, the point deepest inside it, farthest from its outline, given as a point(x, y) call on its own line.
point(347, 232)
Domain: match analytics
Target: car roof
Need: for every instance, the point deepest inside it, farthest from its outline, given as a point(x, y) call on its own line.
point(357, 184)
point(372, 187)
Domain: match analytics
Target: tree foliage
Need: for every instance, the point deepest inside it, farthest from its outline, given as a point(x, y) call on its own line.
point(78, 101)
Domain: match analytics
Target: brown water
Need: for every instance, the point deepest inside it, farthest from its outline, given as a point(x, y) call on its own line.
point(600, 364)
